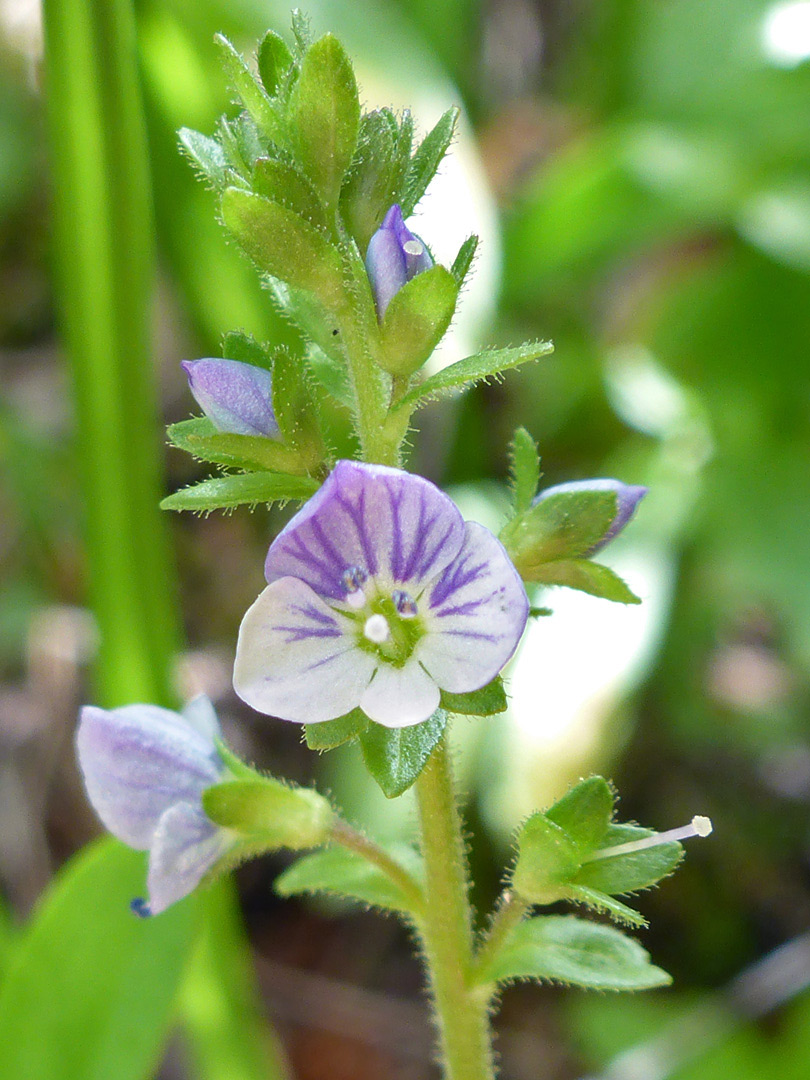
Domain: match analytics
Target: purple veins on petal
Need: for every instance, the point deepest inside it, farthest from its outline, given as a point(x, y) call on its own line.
point(236, 397)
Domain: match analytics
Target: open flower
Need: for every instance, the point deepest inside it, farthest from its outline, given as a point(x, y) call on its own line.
point(394, 256)
point(145, 769)
point(236, 397)
point(379, 595)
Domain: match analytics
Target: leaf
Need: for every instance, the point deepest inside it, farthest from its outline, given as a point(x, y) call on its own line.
point(586, 576)
point(283, 244)
point(368, 190)
point(487, 701)
point(483, 365)
point(274, 60)
point(294, 408)
point(584, 812)
point(427, 159)
point(251, 92)
point(237, 345)
point(340, 872)
point(199, 437)
point(324, 116)
point(396, 756)
point(283, 183)
point(562, 948)
point(332, 733)
point(91, 989)
point(633, 870)
point(464, 260)
point(600, 901)
point(273, 813)
point(525, 469)
point(547, 861)
point(416, 320)
point(207, 155)
point(224, 492)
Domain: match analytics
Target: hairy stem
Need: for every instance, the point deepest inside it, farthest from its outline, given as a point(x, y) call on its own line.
point(446, 929)
point(351, 838)
point(510, 911)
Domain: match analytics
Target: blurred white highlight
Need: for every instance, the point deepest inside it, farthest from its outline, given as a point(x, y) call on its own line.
point(786, 33)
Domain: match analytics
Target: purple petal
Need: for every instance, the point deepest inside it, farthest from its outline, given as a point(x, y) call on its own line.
point(400, 697)
point(628, 496)
point(236, 397)
point(298, 659)
point(137, 762)
point(186, 846)
point(394, 256)
point(477, 611)
point(391, 524)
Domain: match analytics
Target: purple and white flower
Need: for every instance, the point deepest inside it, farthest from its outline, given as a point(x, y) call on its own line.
point(145, 769)
point(394, 256)
point(628, 496)
point(379, 596)
point(236, 397)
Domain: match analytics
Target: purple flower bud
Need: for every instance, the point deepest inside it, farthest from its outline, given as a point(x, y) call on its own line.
point(628, 496)
point(236, 397)
point(145, 770)
point(394, 256)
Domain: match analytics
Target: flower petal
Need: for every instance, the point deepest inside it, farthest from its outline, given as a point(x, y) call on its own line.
point(389, 523)
point(185, 847)
point(475, 616)
point(137, 762)
point(399, 697)
point(298, 659)
point(236, 397)
point(202, 716)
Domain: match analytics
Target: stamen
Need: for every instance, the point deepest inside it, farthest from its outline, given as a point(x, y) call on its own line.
point(139, 907)
point(698, 826)
point(377, 629)
point(354, 578)
point(405, 604)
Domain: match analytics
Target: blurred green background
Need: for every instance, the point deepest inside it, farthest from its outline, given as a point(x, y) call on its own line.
point(640, 173)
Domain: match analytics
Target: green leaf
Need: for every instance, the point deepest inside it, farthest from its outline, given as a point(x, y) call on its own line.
point(483, 365)
point(600, 901)
point(324, 116)
point(274, 61)
point(345, 873)
point(332, 733)
point(427, 159)
point(464, 260)
point(586, 576)
point(283, 244)
point(487, 701)
point(283, 183)
point(547, 861)
point(251, 92)
point(207, 155)
point(368, 190)
point(567, 525)
point(416, 320)
point(633, 870)
point(224, 492)
point(294, 408)
point(91, 989)
point(396, 756)
point(200, 438)
point(562, 948)
point(584, 812)
point(237, 345)
point(269, 812)
point(524, 459)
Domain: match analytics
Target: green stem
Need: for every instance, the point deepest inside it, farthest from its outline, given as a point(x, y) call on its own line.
point(351, 838)
point(446, 930)
point(510, 911)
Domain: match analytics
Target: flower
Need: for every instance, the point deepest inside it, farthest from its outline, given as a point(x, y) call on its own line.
point(394, 256)
point(379, 595)
point(628, 496)
point(145, 769)
point(236, 397)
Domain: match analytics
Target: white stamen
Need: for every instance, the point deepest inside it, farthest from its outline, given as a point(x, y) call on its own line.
point(698, 826)
point(412, 247)
point(356, 599)
point(376, 629)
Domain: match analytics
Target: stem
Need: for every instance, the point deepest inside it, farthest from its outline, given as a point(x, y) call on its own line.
point(347, 836)
point(509, 913)
point(446, 930)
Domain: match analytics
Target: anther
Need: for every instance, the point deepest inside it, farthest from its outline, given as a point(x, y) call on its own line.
point(376, 629)
point(139, 907)
point(405, 604)
point(698, 826)
point(354, 578)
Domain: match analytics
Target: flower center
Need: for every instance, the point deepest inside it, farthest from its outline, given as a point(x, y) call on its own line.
point(388, 621)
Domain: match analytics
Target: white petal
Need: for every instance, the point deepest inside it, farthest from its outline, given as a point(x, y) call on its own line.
point(475, 616)
point(399, 697)
point(137, 762)
point(185, 847)
point(298, 659)
point(202, 716)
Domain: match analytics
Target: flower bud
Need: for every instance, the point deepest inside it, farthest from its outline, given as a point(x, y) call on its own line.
point(394, 256)
point(236, 397)
point(628, 496)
